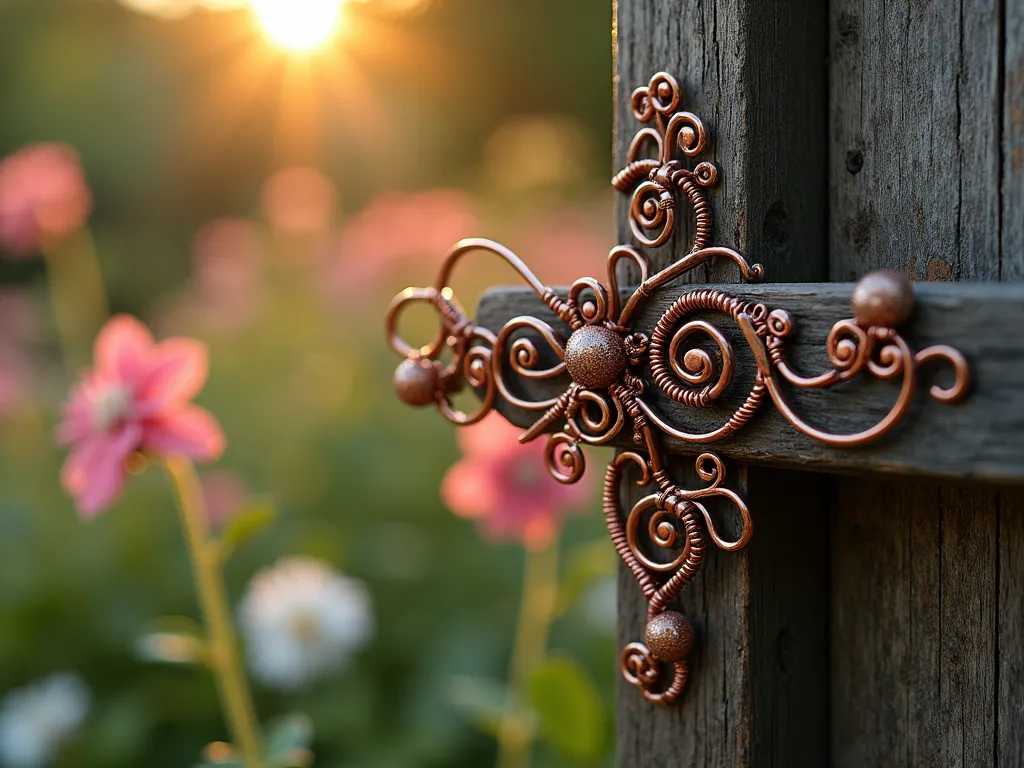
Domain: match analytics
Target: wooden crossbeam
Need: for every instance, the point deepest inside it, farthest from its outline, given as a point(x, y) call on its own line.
point(981, 437)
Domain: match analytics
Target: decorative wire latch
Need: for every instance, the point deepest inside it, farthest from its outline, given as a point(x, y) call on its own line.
point(609, 364)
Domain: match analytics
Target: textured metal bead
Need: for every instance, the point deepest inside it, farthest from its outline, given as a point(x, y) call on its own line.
point(883, 298)
point(670, 636)
point(416, 381)
point(595, 357)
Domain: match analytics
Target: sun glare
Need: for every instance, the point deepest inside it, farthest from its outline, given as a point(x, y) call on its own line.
point(299, 25)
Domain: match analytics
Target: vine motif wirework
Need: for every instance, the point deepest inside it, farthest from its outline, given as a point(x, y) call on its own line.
point(604, 357)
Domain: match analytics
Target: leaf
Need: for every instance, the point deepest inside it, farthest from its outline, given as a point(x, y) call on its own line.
point(484, 701)
point(120, 729)
point(569, 707)
point(172, 640)
point(288, 741)
point(586, 563)
point(247, 523)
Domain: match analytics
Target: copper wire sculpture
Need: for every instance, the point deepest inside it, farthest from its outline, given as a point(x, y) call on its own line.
point(605, 357)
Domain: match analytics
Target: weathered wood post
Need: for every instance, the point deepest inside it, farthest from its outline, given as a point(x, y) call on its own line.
point(755, 72)
point(923, 654)
point(926, 173)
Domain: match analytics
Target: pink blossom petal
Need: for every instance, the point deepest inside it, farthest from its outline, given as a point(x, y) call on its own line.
point(74, 474)
point(77, 425)
point(540, 531)
point(122, 348)
point(43, 197)
point(468, 490)
point(505, 486)
point(94, 472)
point(178, 372)
point(492, 438)
point(188, 431)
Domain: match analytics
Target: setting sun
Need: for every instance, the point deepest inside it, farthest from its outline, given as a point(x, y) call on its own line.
point(300, 25)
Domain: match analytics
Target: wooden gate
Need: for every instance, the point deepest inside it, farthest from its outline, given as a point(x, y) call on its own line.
point(871, 621)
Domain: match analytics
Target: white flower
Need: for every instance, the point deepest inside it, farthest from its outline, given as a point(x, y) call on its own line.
point(37, 719)
point(302, 619)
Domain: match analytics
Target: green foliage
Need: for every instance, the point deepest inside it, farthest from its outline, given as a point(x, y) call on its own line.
point(569, 708)
point(485, 702)
point(587, 562)
point(303, 391)
point(250, 521)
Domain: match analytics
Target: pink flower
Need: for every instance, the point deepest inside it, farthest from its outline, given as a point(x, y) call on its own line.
point(396, 228)
point(505, 486)
point(223, 493)
point(136, 398)
point(43, 197)
point(568, 242)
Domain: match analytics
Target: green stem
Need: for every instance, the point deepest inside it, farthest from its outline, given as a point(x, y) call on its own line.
point(536, 612)
point(77, 295)
point(223, 644)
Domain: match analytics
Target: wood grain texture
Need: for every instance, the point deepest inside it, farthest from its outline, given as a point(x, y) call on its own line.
point(1010, 629)
point(925, 125)
point(754, 72)
point(1011, 225)
point(981, 438)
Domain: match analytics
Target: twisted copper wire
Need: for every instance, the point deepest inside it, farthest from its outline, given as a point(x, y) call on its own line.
point(551, 415)
point(627, 394)
point(749, 407)
point(681, 674)
point(634, 172)
point(638, 664)
point(701, 209)
point(566, 312)
point(641, 668)
point(454, 318)
point(617, 529)
point(691, 565)
point(661, 369)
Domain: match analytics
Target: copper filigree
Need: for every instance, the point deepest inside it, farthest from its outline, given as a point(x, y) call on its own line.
point(608, 365)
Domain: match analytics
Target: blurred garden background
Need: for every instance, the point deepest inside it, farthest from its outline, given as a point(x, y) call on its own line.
point(263, 176)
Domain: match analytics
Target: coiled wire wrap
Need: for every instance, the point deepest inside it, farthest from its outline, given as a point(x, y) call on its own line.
point(666, 337)
point(639, 666)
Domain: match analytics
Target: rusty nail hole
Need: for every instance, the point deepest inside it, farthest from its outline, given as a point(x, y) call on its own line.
point(854, 161)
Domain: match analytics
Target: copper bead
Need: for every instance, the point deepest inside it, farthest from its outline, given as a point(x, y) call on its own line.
point(670, 636)
point(595, 357)
point(416, 381)
point(884, 299)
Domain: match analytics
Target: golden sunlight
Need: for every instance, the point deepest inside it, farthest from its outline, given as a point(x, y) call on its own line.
point(299, 25)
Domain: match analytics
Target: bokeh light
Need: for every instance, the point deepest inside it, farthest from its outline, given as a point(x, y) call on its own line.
point(298, 25)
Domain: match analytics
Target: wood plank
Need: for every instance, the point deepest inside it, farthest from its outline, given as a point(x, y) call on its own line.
point(1010, 630)
point(1010, 265)
point(913, 625)
point(925, 669)
point(1009, 650)
point(754, 72)
point(980, 438)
